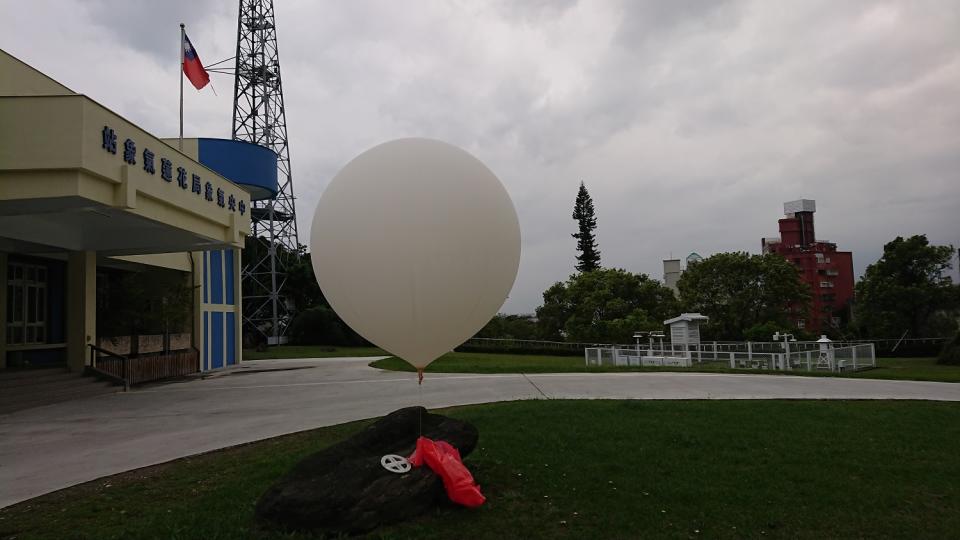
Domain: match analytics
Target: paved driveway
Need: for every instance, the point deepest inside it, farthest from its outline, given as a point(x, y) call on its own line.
point(52, 447)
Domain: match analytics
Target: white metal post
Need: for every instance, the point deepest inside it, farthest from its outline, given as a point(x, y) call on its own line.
point(183, 32)
point(786, 356)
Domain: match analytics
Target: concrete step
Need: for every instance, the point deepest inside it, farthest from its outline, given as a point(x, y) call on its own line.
point(48, 388)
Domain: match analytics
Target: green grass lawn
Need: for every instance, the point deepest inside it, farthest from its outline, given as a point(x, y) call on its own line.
point(310, 351)
point(589, 469)
point(921, 369)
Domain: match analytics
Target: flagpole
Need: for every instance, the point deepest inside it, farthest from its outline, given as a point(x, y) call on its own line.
point(182, 33)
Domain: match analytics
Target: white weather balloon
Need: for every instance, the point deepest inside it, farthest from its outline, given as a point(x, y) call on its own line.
point(415, 244)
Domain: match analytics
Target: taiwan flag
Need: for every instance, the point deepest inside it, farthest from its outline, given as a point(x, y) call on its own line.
point(192, 67)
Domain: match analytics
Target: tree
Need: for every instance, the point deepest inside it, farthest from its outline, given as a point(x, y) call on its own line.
point(604, 306)
point(301, 286)
point(314, 321)
point(320, 325)
point(739, 291)
point(765, 331)
point(589, 258)
point(950, 355)
point(503, 326)
point(154, 301)
point(908, 290)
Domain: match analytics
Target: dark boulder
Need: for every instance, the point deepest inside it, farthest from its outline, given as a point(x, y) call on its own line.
point(344, 489)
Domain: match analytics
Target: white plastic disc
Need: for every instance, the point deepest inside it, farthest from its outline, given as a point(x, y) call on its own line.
point(395, 464)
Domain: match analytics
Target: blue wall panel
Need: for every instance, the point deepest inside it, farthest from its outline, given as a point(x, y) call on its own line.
point(206, 341)
point(216, 277)
point(216, 344)
point(231, 339)
point(228, 274)
point(241, 162)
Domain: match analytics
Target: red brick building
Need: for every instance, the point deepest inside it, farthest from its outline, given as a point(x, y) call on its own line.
point(828, 272)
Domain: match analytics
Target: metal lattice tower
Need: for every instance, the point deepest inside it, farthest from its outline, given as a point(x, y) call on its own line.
point(259, 117)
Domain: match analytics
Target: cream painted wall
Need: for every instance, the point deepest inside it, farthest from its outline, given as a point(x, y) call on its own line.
point(81, 307)
point(48, 138)
point(191, 147)
point(197, 279)
point(19, 79)
point(51, 147)
point(173, 261)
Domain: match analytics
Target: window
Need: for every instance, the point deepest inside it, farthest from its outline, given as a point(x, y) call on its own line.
point(826, 284)
point(26, 304)
point(801, 323)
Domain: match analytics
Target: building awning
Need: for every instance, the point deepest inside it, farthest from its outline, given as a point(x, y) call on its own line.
point(687, 317)
point(75, 176)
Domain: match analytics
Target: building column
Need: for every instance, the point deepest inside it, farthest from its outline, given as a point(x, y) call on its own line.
point(197, 278)
point(3, 310)
point(238, 304)
point(81, 307)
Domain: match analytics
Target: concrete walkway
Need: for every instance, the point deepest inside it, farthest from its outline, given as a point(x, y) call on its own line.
point(56, 446)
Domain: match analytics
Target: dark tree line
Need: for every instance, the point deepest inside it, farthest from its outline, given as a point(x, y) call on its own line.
point(908, 290)
point(314, 321)
point(746, 296)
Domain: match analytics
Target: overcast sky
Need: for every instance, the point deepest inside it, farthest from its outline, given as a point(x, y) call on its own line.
point(690, 122)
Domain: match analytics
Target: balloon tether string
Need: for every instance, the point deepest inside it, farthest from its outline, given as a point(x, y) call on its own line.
point(420, 410)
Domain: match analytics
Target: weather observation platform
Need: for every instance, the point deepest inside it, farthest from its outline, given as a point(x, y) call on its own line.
point(250, 166)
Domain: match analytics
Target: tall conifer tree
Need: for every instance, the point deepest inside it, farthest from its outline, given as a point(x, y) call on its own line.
point(589, 257)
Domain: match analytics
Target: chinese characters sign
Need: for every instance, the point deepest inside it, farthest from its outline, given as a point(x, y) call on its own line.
point(196, 184)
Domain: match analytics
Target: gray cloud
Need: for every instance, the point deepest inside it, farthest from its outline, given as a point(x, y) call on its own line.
point(152, 27)
point(691, 122)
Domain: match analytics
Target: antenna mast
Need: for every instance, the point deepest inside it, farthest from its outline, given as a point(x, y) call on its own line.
point(259, 117)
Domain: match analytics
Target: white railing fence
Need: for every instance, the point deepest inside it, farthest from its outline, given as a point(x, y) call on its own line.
point(621, 357)
point(803, 356)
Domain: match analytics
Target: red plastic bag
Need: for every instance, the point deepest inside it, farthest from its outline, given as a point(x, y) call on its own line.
point(445, 460)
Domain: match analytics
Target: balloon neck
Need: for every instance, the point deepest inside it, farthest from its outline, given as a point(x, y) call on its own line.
point(419, 375)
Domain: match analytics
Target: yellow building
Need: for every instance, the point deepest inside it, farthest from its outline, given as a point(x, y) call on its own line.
point(94, 210)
